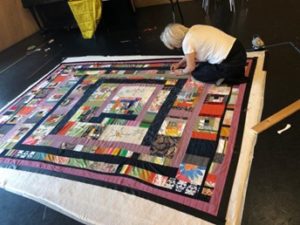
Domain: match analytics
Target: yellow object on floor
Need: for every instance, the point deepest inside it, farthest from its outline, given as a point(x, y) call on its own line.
point(87, 14)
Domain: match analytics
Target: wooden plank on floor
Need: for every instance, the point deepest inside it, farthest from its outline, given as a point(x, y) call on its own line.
point(275, 118)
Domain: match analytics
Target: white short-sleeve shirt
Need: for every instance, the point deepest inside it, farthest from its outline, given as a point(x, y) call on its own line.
point(209, 43)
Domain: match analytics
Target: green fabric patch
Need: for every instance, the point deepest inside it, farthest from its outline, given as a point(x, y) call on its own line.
point(80, 163)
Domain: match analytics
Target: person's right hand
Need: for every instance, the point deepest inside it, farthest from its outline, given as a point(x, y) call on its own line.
point(174, 67)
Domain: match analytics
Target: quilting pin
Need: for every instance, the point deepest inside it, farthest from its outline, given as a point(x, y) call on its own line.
point(288, 126)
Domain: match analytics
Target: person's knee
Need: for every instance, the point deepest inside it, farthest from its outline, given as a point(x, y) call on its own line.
point(204, 79)
point(205, 76)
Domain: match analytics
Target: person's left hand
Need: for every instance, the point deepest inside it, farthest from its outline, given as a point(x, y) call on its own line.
point(178, 72)
point(174, 66)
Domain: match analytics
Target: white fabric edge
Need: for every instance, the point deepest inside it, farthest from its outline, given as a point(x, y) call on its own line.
point(254, 112)
point(91, 204)
point(117, 58)
point(84, 208)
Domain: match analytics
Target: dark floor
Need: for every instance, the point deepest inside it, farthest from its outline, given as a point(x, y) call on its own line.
point(273, 195)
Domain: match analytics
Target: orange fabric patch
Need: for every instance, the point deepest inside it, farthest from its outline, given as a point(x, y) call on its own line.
point(142, 174)
point(211, 180)
point(225, 132)
point(146, 175)
point(212, 109)
point(115, 151)
point(204, 135)
point(183, 104)
point(65, 129)
point(100, 150)
point(188, 166)
point(85, 108)
point(25, 110)
point(49, 158)
point(59, 79)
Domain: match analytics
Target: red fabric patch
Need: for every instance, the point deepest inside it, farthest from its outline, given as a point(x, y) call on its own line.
point(65, 129)
point(204, 135)
point(25, 110)
point(248, 67)
point(212, 109)
point(211, 180)
point(59, 79)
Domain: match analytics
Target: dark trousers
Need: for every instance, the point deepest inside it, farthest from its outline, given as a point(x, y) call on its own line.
point(232, 69)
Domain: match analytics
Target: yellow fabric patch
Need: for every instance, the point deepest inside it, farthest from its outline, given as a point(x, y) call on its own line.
point(225, 131)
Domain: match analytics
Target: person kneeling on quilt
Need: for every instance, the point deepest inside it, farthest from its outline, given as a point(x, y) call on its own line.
point(210, 55)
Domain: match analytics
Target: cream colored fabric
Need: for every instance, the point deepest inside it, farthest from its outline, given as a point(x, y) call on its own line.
point(97, 205)
point(254, 111)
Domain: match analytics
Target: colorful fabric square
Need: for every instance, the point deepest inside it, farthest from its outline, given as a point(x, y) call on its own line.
point(4, 129)
point(158, 101)
point(188, 96)
point(129, 100)
point(191, 173)
point(164, 146)
point(139, 173)
point(206, 128)
point(172, 127)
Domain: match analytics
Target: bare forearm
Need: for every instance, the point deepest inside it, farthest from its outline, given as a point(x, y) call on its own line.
point(188, 69)
point(182, 62)
point(190, 63)
point(189, 60)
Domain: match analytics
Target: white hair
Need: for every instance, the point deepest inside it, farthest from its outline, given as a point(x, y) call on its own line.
point(173, 35)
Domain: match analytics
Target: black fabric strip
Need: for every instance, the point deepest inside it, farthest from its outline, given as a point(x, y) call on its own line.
point(3, 153)
point(203, 148)
point(237, 147)
point(133, 81)
point(164, 170)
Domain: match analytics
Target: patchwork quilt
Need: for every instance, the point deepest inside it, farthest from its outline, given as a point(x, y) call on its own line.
point(132, 127)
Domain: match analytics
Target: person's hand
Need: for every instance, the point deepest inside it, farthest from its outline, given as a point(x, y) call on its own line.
point(174, 67)
point(178, 72)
